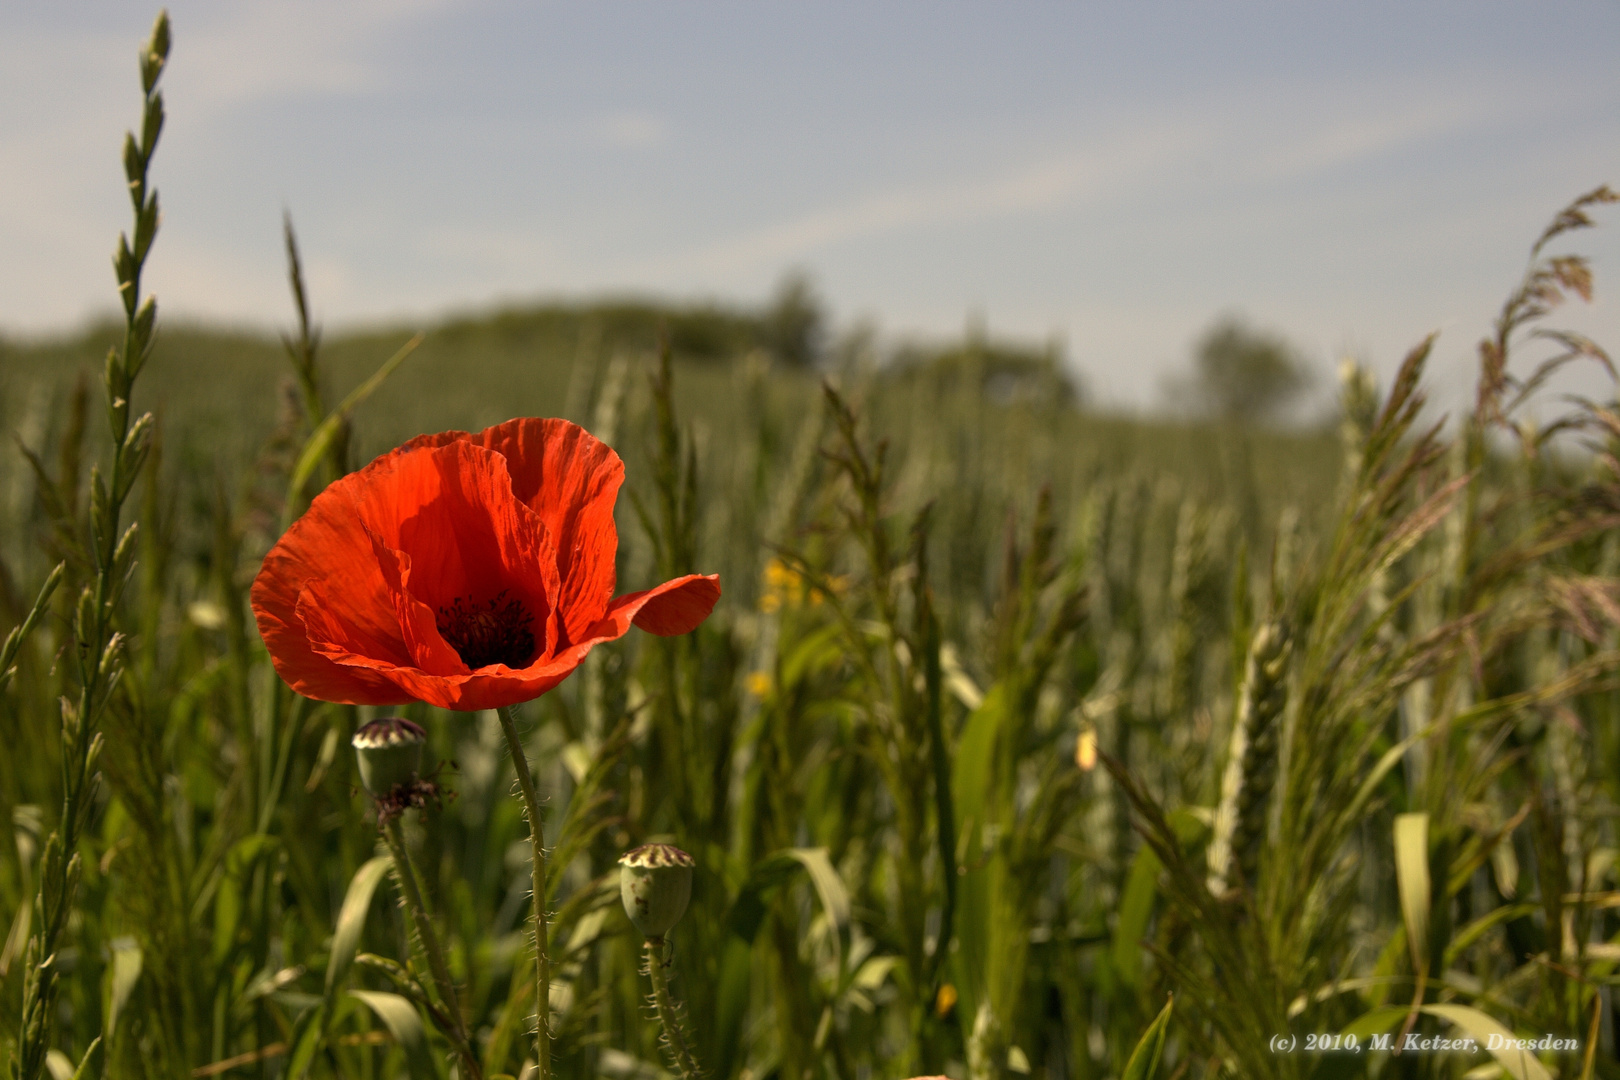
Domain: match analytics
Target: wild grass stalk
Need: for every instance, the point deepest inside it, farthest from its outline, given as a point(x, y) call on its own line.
point(98, 646)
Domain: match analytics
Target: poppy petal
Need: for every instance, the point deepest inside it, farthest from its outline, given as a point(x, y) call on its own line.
point(330, 633)
point(491, 687)
point(325, 548)
point(675, 607)
point(571, 480)
point(322, 658)
point(427, 647)
point(475, 692)
point(467, 540)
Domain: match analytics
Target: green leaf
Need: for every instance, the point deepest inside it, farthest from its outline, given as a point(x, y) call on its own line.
point(1482, 925)
point(61, 1067)
point(228, 901)
point(306, 1041)
point(1376, 1021)
point(733, 996)
point(970, 783)
point(973, 752)
point(734, 993)
point(1145, 1058)
point(1519, 1064)
point(1135, 908)
point(84, 1062)
point(126, 972)
point(404, 1023)
point(817, 650)
point(352, 919)
point(509, 1024)
point(748, 909)
point(1391, 758)
point(320, 440)
point(829, 885)
point(1412, 877)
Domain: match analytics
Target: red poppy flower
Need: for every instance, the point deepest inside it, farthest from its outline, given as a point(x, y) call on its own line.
point(466, 571)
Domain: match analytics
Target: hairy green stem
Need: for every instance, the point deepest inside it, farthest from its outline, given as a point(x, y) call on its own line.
point(537, 839)
point(668, 1019)
point(405, 871)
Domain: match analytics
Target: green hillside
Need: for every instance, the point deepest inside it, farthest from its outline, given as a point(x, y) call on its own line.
point(996, 419)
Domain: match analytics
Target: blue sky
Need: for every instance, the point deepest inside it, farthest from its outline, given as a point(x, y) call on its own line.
point(1351, 175)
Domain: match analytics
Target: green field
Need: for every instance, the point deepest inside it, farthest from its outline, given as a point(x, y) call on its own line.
point(1015, 721)
point(747, 414)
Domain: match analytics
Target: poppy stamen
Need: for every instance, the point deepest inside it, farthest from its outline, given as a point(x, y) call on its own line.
point(494, 633)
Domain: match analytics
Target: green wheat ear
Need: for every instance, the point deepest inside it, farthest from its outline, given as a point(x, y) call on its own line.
point(1251, 764)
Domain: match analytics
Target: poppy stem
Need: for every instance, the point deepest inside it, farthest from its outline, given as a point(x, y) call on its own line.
point(440, 970)
point(542, 995)
point(669, 1017)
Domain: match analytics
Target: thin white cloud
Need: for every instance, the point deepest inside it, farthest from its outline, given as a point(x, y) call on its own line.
point(1150, 155)
point(1043, 185)
point(633, 130)
point(1373, 130)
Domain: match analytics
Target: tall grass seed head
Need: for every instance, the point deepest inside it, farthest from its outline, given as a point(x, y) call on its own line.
point(655, 883)
point(389, 752)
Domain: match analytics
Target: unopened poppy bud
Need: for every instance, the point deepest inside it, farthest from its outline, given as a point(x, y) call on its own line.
point(389, 752)
point(655, 884)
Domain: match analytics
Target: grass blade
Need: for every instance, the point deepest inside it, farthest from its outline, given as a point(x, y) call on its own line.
point(1412, 877)
point(320, 440)
point(1519, 1064)
point(404, 1024)
point(1145, 1058)
point(352, 919)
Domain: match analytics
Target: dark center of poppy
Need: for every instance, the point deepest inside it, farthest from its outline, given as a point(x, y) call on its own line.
point(494, 633)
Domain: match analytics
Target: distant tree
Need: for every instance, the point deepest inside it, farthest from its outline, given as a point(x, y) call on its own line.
point(794, 326)
point(1245, 374)
point(1004, 371)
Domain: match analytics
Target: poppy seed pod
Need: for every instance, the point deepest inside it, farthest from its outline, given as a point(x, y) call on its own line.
point(655, 884)
point(389, 752)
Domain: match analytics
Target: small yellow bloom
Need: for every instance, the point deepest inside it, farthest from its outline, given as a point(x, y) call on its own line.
point(1085, 750)
point(781, 587)
point(759, 683)
point(778, 575)
point(945, 1000)
point(785, 587)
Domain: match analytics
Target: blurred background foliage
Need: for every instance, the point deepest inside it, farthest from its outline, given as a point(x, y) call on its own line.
point(210, 387)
